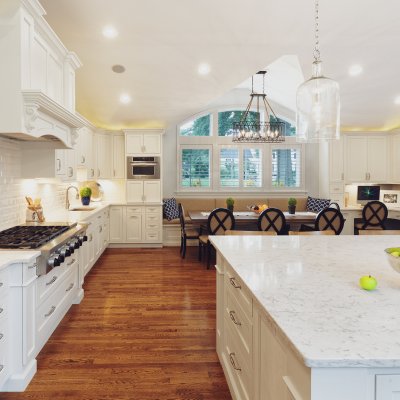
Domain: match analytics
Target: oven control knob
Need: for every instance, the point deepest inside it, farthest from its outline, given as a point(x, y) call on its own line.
point(65, 251)
point(53, 262)
point(71, 247)
point(83, 238)
point(77, 244)
point(79, 240)
point(60, 257)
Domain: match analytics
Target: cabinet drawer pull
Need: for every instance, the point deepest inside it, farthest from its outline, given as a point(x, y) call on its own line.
point(232, 359)
point(1, 310)
point(100, 229)
point(233, 318)
point(71, 262)
point(69, 287)
point(1, 284)
point(83, 159)
point(234, 284)
point(52, 281)
point(1, 367)
point(92, 172)
point(90, 237)
point(59, 164)
point(52, 309)
point(1, 336)
point(32, 266)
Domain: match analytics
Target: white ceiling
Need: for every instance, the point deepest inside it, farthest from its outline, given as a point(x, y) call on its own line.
point(161, 43)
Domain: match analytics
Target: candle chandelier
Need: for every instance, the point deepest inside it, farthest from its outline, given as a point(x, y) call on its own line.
point(248, 130)
point(318, 101)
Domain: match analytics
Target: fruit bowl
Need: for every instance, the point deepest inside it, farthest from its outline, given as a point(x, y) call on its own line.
point(394, 260)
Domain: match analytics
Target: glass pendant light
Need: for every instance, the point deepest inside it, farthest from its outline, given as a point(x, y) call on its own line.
point(318, 101)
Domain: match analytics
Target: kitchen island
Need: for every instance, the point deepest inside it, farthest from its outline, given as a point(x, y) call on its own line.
point(292, 322)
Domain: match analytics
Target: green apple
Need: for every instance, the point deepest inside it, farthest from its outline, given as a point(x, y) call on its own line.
point(368, 282)
point(395, 254)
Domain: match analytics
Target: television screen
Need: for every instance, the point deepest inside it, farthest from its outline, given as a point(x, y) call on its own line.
point(368, 193)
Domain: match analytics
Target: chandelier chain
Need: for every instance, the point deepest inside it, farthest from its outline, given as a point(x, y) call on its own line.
point(316, 48)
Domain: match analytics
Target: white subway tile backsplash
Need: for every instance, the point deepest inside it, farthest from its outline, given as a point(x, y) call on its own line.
point(13, 189)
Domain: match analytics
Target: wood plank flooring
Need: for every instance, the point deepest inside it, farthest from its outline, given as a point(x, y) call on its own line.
point(144, 330)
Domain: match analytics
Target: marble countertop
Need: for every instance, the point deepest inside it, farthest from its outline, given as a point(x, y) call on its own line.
point(308, 287)
point(8, 257)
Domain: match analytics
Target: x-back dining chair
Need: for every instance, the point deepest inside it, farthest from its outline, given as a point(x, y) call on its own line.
point(374, 215)
point(219, 221)
point(186, 234)
point(272, 219)
point(327, 219)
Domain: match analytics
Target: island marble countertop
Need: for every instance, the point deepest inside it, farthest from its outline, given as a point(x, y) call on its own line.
point(308, 286)
point(8, 257)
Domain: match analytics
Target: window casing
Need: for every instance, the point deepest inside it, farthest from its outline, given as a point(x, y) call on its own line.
point(258, 167)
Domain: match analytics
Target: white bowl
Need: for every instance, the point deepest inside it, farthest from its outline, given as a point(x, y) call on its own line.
point(394, 261)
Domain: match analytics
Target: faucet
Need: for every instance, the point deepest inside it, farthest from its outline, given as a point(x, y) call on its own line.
point(67, 203)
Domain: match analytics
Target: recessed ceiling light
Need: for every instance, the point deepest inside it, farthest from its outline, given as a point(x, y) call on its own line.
point(110, 32)
point(125, 98)
point(397, 100)
point(118, 69)
point(355, 70)
point(204, 69)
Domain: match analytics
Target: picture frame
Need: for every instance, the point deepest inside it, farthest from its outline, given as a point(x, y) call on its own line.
point(390, 197)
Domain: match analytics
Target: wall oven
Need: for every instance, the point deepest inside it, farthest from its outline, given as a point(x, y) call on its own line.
point(143, 168)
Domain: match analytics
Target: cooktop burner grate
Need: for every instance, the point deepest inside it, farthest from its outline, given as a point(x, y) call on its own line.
point(29, 237)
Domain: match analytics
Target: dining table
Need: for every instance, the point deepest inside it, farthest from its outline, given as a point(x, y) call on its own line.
point(248, 219)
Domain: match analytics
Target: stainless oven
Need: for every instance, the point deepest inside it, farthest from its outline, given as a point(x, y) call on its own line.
point(143, 168)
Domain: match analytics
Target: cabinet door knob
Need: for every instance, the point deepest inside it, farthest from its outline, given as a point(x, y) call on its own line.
point(232, 314)
point(52, 309)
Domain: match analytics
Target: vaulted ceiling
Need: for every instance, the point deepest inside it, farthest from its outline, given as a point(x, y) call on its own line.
point(161, 44)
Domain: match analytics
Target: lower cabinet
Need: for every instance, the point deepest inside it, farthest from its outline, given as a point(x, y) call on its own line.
point(260, 363)
point(97, 232)
point(136, 224)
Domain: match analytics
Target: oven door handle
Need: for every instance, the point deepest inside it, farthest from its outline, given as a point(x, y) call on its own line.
point(142, 164)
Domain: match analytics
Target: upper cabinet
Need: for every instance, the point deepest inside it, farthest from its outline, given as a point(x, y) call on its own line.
point(84, 148)
point(38, 79)
point(366, 158)
point(119, 163)
point(395, 147)
point(104, 156)
point(140, 142)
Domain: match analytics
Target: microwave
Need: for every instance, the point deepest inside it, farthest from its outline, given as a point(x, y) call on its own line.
point(143, 168)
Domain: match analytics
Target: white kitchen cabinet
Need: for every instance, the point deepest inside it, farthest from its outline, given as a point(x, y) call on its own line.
point(366, 159)
point(119, 160)
point(143, 191)
point(140, 143)
point(117, 223)
point(84, 149)
point(336, 160)
point(65, 166)
point(60, 163)
point(395, 164)
point(134, 222)
point(104, 156)
point(387, 387)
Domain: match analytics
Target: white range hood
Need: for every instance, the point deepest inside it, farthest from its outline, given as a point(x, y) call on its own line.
point(37, 79)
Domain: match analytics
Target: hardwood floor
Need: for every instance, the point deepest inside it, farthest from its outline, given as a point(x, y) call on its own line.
point(144, 330)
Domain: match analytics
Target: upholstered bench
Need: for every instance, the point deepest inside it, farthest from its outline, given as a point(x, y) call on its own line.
point(171, 229)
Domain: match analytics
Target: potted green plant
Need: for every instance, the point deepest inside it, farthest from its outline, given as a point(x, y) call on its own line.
point(292, 205)
point(85, 193)
point(229, 203)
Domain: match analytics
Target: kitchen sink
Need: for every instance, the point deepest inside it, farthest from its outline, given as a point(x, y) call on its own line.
point(82, 208)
